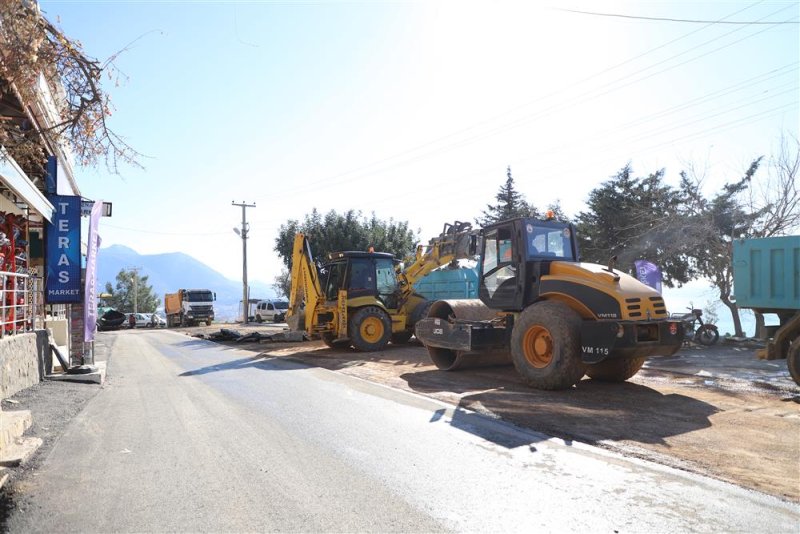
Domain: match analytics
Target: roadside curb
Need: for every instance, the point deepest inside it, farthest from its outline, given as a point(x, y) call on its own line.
point(96, 377)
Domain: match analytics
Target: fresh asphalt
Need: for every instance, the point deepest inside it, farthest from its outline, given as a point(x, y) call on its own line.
point(188, 435)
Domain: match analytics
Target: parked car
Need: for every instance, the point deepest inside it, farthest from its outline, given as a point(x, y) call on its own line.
point(271, 310)
point(156, 320)
point(140, 320)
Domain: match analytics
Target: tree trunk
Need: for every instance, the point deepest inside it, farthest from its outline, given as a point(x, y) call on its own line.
point(737, 322)
point(761, 330)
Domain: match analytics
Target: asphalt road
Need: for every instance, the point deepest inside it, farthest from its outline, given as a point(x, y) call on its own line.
point(188, 435)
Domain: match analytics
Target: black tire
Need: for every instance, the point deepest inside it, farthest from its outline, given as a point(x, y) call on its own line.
point(330, 340)
point(420, 312)
point(208, 322)
point(370, 329)
point(400, 338)
point(614, 370)
point(259, 319)
point(545, 346)
point(707, 335)
point(793, 361)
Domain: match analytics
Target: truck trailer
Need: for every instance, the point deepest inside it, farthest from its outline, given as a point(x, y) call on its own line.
point(766, 279)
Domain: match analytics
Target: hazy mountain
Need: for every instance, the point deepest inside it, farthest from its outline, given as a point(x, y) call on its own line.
point(175, 270)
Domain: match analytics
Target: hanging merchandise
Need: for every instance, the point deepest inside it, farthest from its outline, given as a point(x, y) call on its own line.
point(13, 261)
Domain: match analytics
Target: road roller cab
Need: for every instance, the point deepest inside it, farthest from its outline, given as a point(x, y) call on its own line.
point(554, 317)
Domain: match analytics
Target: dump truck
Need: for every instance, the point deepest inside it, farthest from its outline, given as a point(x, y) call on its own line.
point(766, 279)
point(555, 318)
point(366, 299)
point(188, 307)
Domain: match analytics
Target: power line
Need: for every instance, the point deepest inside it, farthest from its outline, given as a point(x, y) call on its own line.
point(584, 97)
point(141, 231)
point(552, 94)
point(667, 19)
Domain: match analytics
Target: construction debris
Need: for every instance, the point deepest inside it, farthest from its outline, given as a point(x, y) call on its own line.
point(226, 334)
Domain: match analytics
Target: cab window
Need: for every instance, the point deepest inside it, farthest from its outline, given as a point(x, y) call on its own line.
point(498, 256)
point(386, 279)
point(334, 280)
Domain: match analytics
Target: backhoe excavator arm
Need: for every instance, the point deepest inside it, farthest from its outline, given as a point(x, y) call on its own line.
point(306, 286)
point(457, 241)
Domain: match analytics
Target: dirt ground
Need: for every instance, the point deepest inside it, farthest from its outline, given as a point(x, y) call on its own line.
point(691, 411)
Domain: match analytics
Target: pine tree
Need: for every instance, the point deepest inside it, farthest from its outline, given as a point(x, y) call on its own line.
point(510, 203)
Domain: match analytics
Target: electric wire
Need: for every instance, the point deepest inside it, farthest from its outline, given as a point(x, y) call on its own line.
point(553, 94)
point(667, 19)
point(549, 111)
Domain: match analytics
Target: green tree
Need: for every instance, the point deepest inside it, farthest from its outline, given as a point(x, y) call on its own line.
point(510, 203)
point(635, 218)
point(122, 295)
point(283, 283)
point(345, 231)
point(711, 225)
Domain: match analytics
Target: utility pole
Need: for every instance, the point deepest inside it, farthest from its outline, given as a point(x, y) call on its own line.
point(243, 234)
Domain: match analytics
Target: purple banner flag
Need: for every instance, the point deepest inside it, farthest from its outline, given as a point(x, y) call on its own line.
point(648, 273)
point(90, 288)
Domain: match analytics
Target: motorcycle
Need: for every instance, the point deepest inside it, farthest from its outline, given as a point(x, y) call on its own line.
point(698, 331)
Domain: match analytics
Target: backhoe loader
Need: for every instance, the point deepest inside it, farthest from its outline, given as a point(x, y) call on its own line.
point(552, 316)
point(366, 299)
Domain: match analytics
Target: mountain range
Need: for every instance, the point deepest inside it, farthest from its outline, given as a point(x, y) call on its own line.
point(175, 270)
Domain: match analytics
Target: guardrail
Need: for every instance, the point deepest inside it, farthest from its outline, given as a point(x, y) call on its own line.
point(15, 303)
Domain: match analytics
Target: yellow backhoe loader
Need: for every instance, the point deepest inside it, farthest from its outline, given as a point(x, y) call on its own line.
point(366, 299)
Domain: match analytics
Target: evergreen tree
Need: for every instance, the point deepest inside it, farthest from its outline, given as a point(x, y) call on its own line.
point(635, 218)
point(345, 231)
point(510, 203)
point(122, 295)
point(710, 227)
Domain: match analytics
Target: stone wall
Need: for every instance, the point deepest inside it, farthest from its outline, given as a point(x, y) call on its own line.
point(20, 365)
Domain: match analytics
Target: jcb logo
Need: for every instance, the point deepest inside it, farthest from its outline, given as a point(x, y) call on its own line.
point(438, 331)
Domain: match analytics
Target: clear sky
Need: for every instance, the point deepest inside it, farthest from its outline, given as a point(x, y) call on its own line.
point(414, 110)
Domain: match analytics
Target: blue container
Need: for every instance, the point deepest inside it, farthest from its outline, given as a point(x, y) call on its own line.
point(766, 273)
point(449, 284)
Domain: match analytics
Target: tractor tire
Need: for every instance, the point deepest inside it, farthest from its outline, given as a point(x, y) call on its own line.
point(545, 346)
point(793, 361)
point(614, 370)
point(420, 312)
point(400, 338)
point(330, 341)
point(370, 329)
point(707, 335)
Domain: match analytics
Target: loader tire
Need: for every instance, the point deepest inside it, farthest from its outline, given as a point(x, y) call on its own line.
point(370, 329)
point(793, 361)
point(400, 338)
point(614, 370)
point(330, 341)
point(545, 346)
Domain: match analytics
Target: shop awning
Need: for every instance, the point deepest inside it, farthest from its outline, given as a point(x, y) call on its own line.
point(15, 179)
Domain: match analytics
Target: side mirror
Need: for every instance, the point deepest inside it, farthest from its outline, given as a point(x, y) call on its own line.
point(215, 296)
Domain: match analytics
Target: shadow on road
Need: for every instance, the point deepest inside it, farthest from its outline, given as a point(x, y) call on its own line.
point(590, 412)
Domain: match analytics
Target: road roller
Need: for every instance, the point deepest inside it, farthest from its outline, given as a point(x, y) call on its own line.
point(552, 316)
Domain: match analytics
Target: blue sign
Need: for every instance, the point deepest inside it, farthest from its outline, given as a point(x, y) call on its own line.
point(63, 251)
